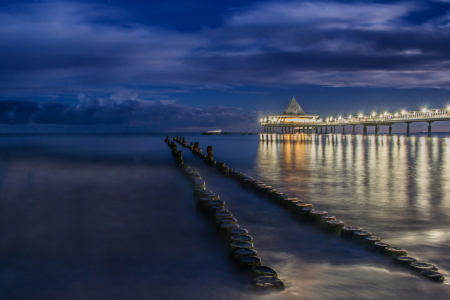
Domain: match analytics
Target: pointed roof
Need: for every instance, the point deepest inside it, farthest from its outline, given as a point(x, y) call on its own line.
point(293, 108)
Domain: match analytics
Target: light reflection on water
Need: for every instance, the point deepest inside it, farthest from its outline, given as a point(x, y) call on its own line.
point(391, 186)
point(111, 217)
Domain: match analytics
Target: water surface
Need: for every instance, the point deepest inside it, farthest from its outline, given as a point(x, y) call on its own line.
point(111, 217)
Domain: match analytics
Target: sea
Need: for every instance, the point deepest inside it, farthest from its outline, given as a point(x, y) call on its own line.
point(111, 216)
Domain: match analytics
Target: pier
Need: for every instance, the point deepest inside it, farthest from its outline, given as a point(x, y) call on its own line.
point(295, 120)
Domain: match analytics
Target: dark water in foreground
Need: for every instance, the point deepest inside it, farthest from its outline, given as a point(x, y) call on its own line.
point(111, 217)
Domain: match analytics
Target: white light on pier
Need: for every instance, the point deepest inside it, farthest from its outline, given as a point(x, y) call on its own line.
point(350, 116)
point(374, 113)
point(396, 114)
point(381, 115)
point(385, 113)
point(360, 115)
point(448, 108)
point(424, 110)
point(403, 112)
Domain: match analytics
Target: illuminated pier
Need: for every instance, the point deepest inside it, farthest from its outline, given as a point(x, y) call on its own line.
point(294, 120)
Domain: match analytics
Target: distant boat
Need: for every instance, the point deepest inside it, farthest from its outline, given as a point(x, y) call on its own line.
point(215, 131)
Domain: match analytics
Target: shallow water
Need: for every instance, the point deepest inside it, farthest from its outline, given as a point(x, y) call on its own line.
point(112, 217)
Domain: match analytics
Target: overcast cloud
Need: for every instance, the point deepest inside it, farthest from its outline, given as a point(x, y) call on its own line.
point(69, 48)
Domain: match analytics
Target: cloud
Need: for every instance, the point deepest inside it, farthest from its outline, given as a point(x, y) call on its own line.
point(63, 48)
point(323, 15)
point(93, 111)
point(16, 112)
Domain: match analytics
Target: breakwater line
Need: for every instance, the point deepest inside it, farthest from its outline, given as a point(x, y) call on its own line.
point(307, 213)
point(240, 244)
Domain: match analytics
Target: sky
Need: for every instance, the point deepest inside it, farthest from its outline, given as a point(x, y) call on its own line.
point(195, 65)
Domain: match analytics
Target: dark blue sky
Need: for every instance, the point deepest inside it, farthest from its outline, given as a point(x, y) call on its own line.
point(194, 65)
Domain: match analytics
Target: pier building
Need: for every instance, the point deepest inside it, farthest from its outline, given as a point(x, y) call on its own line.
point(294, 120)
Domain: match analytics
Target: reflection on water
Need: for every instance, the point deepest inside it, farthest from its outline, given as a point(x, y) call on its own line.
point(389, 185)
point(112, 217)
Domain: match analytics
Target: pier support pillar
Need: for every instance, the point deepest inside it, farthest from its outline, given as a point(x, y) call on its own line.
point(429, 129)
point(326, 129)
point(407, 129)
point(321, 130)
point(334, 129)
point(343, 129)
point(390, 130)
point(365, 130)
point(354, 129)
point(377, 130)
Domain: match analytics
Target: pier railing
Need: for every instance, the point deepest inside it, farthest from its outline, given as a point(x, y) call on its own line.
point(429, 116)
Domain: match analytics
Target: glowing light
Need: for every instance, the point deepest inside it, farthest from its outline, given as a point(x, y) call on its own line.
point(448, 108)
point(396, 114)
point(424, 110)
point(381, 115)
point(350, 116)
point(385, 113)
point(261, 120)
point(374, 113)
point(340, 117)
point(403, 112)
point(360, 115)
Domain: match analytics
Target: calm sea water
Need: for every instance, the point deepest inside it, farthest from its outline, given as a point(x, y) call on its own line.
point(112, 217)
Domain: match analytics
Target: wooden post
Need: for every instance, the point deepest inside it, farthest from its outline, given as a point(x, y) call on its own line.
point(209, 152)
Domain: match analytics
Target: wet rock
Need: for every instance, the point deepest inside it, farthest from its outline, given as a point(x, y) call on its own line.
point(405, 260)
point(249, 262)
point(423, 266)
point(335, 226)
point(395, 251)
point(264, 271)
point(267, 281)
point(347, 232)
point(380, 246)
point(240, 238)
point(433, 275)
point(238, 254)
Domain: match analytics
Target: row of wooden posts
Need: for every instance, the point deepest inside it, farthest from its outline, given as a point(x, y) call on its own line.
point(306, 212)
point(240, 244)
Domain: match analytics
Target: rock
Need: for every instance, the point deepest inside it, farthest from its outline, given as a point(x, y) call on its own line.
point(347, 232)
point(267, 281)
point(433, 275)
point(238, 254)
point(264, 271)
point(249, 262)
point(239, 238)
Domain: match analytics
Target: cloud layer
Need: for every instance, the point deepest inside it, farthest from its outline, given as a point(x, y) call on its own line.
point(59, 49)
point(111, 111)
point(66, 47)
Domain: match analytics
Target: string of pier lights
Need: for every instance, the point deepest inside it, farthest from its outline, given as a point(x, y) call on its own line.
point(340, 119)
